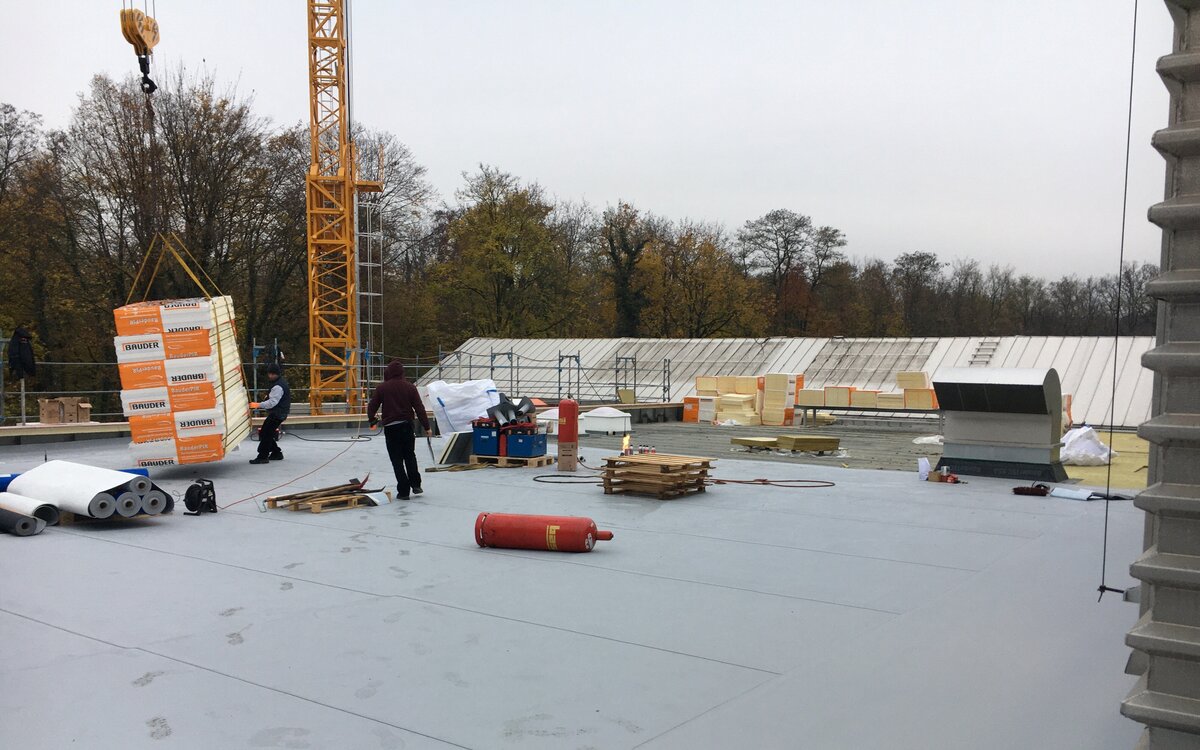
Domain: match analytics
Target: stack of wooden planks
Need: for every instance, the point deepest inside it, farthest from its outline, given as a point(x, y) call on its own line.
point(656, 474)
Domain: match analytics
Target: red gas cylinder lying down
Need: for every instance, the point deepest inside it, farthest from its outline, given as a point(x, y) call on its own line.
point(558, 533)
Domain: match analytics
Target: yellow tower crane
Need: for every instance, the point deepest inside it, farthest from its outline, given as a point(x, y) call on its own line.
point(331, 187)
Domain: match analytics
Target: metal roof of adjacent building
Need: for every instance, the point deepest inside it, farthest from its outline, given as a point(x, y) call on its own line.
point(665, 369)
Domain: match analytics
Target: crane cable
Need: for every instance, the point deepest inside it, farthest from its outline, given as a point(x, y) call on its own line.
point(1104, 588)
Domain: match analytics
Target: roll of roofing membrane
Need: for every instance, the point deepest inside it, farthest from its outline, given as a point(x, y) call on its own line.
point(78, 488)
point(128, 504)
point(27, 506)
point(15, 523)
point(140, 485)
point(154, 502)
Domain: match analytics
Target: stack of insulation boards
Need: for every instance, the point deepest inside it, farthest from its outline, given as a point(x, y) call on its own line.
point(181, 378)
point(779, 398)
point(741, 408)
point(917, 390)
point(706, 386)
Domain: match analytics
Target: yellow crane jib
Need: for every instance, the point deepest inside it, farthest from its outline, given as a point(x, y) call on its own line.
point(141, 31)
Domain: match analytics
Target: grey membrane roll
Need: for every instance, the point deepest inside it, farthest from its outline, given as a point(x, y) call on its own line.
point(103, 505)
point(27, 506)
point(169, 499)
point(154, 502)
point(140, 485)
point(15, 523)
point(128, 504)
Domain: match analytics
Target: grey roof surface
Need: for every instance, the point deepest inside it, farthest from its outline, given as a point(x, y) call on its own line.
point(882, 613)
point(1084, 364)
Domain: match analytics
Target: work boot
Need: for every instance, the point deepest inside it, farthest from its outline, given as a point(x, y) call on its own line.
point(260, 460)
point(418, 491)
point(276, 456)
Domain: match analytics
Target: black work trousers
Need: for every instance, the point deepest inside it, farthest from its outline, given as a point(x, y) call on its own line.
point(401, 447)
point(268, 444)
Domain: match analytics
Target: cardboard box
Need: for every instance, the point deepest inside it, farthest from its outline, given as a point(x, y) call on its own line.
point(810, 397)
point(919, 398)
point(864, 399)
point(838, 395)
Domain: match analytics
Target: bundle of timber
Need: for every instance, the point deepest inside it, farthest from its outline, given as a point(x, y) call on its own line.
point(352, 494)
point(779, 398)
point(655, 474)
point(57, 490)
point(183, 390)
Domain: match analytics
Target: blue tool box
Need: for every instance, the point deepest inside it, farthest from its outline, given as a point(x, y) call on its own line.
point(526, 446)
point(485, 440)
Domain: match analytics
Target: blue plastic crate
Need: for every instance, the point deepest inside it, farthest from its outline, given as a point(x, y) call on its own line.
point(485, 441)
point(527, 446)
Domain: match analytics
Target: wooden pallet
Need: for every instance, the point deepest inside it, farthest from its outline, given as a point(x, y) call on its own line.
point(325, 504)
point(655, 474)
point(513, 462)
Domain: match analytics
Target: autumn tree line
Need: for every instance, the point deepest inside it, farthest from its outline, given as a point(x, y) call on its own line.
point(501, 257)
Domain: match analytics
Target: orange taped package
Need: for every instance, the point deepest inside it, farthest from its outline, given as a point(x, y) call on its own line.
point(201, 449)
point(192, 343)
point(136, 375)
point(145, 428)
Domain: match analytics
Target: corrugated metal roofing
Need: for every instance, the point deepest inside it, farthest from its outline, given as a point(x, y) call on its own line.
point(666, 368)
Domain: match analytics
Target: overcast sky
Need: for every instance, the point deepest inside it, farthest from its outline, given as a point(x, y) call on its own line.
point(963, 127)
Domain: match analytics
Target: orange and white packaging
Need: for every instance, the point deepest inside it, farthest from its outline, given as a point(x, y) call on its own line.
point(138, 319)
point(154, 453)
point(187, 342)
point(199, 450)
point(191, 396)
point(135, 375)
point(145, 347)
point(145, 401)
point(199, 422)
point(146, 428)
point(190, 370)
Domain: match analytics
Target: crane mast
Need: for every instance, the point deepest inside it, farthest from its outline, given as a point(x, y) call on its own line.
point(330, 190)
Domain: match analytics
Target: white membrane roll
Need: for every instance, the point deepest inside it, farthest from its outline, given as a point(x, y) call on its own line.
point(140, 485)
point(78, 488)
point(27, 506)
point(128, 504)
point(154, 502)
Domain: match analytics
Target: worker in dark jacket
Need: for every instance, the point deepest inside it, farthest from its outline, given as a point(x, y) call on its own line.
point(20, 355)
point(278, 406)
point(401, 405)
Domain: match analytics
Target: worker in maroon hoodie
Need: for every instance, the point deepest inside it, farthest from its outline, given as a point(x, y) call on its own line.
point(401, 406)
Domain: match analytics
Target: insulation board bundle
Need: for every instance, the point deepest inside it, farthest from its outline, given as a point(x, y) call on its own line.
point(181, 377)
point(778, 398)
point(838, 395)
point(742, 408)
point(890, 400)
point(726, 384)
point(706, 386)
point(706, 409)
point(914, 380)
point(919, 398)
point(864, 399)
point(810, 397)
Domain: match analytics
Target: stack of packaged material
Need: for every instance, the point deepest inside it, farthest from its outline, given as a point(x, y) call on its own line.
point(181, 378)
point(918, 391)
point(890, 400)
point(707, 409)
point(838, 395)
point(726, 384)
point(810, 397)
point(865, 399)
point(779, 398)
point(706, 386)
point(742, 408)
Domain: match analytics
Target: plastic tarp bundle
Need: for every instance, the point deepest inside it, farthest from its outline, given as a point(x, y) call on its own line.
point(456, 404)
point(1082, 447)
point(181, 377)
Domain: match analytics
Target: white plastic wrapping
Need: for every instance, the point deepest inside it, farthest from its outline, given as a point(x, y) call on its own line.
point(1082, 446)
point(454, 405)
point(28, 506)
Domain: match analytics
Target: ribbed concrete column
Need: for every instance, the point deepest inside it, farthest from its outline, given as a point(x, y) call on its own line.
point(1167, 695)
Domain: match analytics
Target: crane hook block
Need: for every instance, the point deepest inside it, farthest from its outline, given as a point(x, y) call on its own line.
point(554, 533)
point(141, 31)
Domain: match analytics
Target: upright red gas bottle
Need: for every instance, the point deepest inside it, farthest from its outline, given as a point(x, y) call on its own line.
point(568, 434)
point(556, 533)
